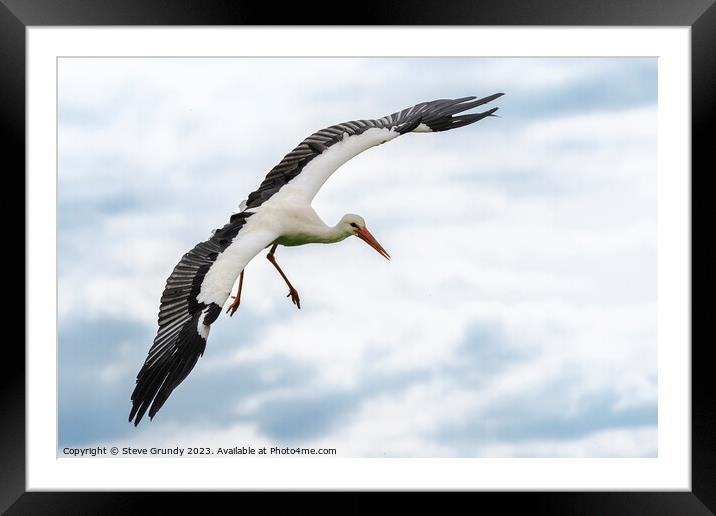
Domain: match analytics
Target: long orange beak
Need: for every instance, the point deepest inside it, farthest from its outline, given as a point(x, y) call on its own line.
point(369, 239)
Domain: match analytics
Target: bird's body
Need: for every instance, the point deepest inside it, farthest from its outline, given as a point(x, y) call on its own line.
point(278, 213)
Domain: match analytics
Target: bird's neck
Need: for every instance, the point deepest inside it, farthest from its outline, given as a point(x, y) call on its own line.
point(332, 234)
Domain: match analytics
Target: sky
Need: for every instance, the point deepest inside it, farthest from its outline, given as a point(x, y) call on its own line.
point(517, 317)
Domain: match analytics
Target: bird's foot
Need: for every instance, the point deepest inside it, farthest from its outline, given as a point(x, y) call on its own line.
point(234, 306)
point(294, 297)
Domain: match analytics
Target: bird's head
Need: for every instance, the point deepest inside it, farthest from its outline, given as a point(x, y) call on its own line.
point(353, 224)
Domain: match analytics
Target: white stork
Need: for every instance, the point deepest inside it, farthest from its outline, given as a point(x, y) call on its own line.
point(278, 213)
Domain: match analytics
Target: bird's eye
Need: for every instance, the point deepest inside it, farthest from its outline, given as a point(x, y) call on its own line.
point(354, 225)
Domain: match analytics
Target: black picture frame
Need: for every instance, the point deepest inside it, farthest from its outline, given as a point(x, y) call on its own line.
point(17, 15)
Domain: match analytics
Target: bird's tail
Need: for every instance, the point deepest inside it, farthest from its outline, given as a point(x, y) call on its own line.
point(439, 115)
point(170, 360)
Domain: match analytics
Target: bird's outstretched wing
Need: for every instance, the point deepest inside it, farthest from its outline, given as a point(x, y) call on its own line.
point(313, 161)
point(192, 299)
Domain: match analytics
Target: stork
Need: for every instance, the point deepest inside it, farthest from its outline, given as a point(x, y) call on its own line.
point(278, 213)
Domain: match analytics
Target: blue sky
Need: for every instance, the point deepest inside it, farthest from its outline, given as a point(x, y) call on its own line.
point(516, 318)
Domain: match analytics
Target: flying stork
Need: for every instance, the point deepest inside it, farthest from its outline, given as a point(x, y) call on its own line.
point(278, 213)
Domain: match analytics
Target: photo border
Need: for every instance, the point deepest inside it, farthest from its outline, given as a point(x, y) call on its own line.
point(699, 15)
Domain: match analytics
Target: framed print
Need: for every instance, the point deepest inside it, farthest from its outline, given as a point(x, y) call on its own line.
point(513, 315)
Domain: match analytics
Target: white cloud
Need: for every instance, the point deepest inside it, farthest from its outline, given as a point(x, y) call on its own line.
point(639, 442)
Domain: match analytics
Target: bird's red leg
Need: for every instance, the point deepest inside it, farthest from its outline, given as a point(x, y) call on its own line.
point(237, 298)
point(291, 291)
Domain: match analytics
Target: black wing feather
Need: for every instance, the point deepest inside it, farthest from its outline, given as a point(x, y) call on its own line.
point(178, 344)
point(437, 115)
